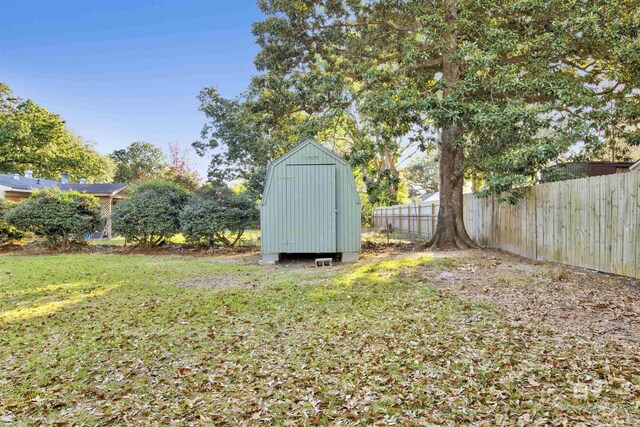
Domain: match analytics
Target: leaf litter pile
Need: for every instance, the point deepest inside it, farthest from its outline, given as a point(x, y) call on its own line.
point(402, 339)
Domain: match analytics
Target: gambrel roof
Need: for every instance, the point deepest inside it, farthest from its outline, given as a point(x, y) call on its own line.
point(309, 141)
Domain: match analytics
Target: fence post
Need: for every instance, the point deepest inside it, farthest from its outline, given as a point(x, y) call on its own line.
point(433, 219)
point(409, 219)
point(386, 219)
point(393, 217)
point(419, 221)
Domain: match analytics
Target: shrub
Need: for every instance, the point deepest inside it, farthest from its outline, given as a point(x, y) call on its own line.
point(217, 216)
point(152, 213)
point(62, 218)
point(8, 233)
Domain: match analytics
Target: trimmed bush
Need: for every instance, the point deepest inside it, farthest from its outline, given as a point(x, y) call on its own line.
point(62, 218)
point(8, 233)
point(217, 216)
point(151, 215)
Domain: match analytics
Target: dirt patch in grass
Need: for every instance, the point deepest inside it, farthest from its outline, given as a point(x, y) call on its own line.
point(218, 281)
point(375, 241)
point(573, 302)
point(369, 246)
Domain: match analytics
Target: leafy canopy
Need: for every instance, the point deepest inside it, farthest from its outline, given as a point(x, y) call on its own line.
point(138, 162)
point(515, 82)
point(8, 233)
point(33, 138)
point(421, 176)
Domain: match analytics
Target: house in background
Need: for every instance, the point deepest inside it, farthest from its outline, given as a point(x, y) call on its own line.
point(430, 197)
point(17, 187)
point(574, 170)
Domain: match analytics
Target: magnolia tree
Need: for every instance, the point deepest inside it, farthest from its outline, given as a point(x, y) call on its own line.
point(62, 218)
point(218, 216)
point(500, 88)
point(8, 233)
point(151, 215)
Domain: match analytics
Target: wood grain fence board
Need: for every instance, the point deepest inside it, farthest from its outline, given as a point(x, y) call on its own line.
point(589, 222)
point(634, 245)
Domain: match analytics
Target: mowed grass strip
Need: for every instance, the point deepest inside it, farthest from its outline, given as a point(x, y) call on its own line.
point(111, 339)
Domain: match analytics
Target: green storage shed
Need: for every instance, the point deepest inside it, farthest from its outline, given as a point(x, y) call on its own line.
point(310, 205)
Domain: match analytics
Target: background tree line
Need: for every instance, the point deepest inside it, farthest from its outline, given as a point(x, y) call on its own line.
point(33, 138)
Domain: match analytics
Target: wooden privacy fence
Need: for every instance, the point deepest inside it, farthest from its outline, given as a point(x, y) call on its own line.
point(590, 222)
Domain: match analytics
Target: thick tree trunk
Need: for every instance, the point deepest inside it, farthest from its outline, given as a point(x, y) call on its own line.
point(450, 232)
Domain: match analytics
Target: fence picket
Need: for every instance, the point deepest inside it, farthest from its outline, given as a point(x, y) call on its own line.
point(589, 222)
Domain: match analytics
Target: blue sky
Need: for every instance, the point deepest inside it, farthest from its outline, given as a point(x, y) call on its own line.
point(122, 71)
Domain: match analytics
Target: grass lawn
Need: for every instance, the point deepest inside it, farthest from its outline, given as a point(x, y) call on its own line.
point(249, 238)
point(98, 339)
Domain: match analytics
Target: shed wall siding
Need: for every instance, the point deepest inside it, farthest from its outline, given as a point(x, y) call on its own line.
point(311, 208)
point(276, 232)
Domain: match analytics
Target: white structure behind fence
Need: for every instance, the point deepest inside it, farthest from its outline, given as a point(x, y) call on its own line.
point(418, 219)
point(590, 222)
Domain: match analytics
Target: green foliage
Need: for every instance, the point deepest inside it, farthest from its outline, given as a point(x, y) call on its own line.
point(243, 138)
point(5, 206)
point(218, 216)
point(151, 215)
point(33, 138)
point(96, 169)
point(378, 182)
point(8, 233)
point(514, 84)
point(238, 187)
point(140, 161)
point(62, 218)
point(190, 181)
point(246, 133)
point(558, 173)
point(422, 176)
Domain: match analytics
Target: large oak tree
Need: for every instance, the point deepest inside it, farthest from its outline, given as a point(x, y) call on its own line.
point(506, 86)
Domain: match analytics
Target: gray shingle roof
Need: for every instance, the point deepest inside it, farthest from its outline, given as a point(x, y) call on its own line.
point(29, 184)
point(426, 196)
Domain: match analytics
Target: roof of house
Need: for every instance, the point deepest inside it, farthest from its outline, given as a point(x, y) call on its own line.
point(635, 166)
point(30, 184)
point(604, 163)
point(430, 196)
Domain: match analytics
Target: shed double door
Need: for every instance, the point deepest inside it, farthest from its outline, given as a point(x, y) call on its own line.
point(311, 208)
